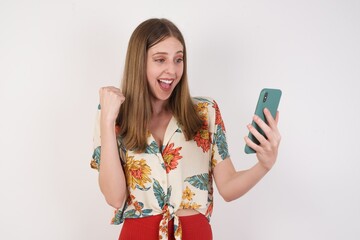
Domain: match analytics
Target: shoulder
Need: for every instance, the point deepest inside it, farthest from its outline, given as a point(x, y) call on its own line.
point(204, 100)
point(206, 107)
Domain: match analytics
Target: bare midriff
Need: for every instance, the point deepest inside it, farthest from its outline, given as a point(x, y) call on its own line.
point(186, 212)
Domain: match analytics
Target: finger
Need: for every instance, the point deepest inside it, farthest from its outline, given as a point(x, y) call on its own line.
point(110, 90)
point(272, 124)
point(251, 144)
point(269, 118)
point(272, 133)
point(257, 135)
point(268, 131)
point(118, 93)
point(261, 123)
point(277, 117)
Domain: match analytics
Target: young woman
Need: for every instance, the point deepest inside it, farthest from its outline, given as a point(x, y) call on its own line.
point(160, 149)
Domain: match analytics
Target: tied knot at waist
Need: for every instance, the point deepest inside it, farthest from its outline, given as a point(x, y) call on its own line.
point(167, 215)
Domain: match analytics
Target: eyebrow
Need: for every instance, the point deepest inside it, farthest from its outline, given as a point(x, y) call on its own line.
point(165, 53)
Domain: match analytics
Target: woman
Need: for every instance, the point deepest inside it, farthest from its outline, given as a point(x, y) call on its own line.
point(160, 149)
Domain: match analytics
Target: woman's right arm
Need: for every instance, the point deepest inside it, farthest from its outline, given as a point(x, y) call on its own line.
point(111, 174)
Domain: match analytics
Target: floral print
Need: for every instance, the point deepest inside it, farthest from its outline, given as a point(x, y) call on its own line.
point(187, 198)
point(203, 137)
point(199, 181)
point(171, 157)
point(187, 194)
point(218, 118)
point(137, 212)
point(95, 161)
point(177, 175)
point(137, 173)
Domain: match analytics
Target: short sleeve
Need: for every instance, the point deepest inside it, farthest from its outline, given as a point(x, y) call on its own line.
point(219, 145)
point(95, 160)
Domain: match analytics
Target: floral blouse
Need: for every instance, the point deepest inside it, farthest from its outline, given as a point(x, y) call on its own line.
point(177, 175)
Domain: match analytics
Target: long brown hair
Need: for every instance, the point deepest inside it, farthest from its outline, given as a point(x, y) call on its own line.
point(135, 112)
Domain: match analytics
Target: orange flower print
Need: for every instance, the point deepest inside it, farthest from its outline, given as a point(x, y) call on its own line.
point(218, 118)
point(164, 223)
point(178, 232)
point(171, 157)
point(203, 138)
point(209, 210)
point(137, 206)
point(187, 200)
point(137, 173)
point(94, 165)
point(187, 194)
point(195, 206)
point(188, 205)
point(202, 109)
point(213, 160)
point(130, 199)
point(184, 205)
point(95, 161)
point(163, 229)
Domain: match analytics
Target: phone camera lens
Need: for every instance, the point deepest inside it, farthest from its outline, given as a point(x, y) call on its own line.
point(265, 97)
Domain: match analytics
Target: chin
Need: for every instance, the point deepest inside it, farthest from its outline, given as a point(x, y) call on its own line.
point(163, 98)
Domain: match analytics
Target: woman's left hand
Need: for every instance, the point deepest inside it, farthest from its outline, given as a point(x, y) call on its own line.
point(267, 150)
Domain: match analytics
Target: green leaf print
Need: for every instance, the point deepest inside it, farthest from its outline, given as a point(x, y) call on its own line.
point(203, 100)
point(159, 193)
point(152, 148)
point(200, 181)
point(130, 214)
point(142, 189)
point(96, 155)
point(118, 218)
point(146, 212)
point(162, 198)
point(220, 140)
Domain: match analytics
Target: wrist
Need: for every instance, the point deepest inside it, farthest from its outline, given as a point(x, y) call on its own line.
point(263, 167)
point(107, 125)
point(107, 121)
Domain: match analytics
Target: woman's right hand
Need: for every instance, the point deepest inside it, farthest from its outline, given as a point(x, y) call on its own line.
point(111, 99)
point(111, 175)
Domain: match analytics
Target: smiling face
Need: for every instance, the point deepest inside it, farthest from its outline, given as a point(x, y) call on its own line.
point(164, 67)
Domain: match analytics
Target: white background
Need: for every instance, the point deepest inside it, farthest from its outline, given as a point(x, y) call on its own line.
point(54, 56)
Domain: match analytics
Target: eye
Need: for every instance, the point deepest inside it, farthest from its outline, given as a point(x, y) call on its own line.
point(179, 60)
point(160, 60)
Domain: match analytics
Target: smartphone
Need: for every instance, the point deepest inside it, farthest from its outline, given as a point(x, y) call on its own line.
point(270, 99)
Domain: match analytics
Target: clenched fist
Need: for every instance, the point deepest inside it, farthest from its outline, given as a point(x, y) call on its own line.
point(111, 99)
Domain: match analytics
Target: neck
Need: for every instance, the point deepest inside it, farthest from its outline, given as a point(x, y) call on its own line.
point(159, 107)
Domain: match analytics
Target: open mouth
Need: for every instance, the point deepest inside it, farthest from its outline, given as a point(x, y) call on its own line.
point(165, 83)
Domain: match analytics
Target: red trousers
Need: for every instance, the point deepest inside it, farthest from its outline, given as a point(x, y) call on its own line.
point(147, 228)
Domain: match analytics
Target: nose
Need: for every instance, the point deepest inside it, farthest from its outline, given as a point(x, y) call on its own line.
point(170, 68)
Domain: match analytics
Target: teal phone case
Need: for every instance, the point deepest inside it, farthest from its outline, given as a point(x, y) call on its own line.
point(270, 99)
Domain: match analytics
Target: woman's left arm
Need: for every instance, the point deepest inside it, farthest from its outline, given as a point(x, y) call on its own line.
point(233, 184)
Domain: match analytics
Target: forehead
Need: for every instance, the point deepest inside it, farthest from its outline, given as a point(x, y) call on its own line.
point(168, 45)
